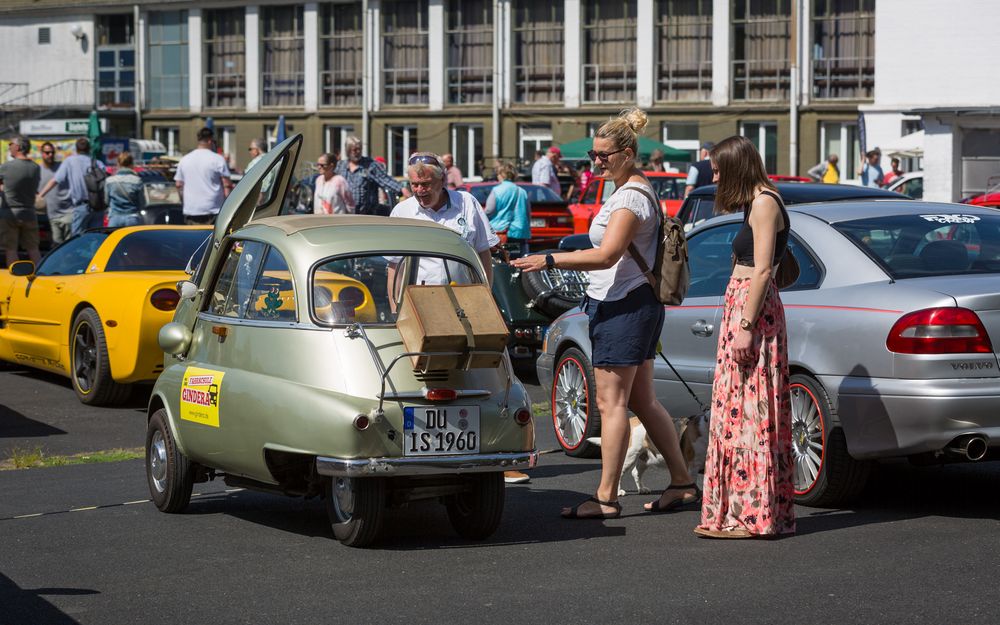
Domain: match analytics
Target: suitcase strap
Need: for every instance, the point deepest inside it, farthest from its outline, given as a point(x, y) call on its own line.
point(470, 337)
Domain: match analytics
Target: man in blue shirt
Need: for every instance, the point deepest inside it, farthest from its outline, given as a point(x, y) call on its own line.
point(507, 208)
point(364, 178)
point(72, 172)
point(871, 171)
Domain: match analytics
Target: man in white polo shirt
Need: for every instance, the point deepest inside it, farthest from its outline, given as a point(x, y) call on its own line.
point(453, 209)
point(203, 180)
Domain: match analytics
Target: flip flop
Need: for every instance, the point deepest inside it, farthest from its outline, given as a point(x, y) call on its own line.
point(738, 532)
point(675, 504)
point(575, 512)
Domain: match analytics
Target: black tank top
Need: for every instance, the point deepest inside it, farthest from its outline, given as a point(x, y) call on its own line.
point(743, 242)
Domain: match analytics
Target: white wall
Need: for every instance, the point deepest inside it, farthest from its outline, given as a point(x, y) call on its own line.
point(930, 53)
point(44, 65)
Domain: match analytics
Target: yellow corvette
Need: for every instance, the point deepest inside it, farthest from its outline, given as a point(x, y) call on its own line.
point(93, 307)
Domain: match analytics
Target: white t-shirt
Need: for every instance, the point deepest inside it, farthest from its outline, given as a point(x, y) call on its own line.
point(202, 170)
point(543, 172)
point(332, 197)
point(464, 215)
point(618, 280)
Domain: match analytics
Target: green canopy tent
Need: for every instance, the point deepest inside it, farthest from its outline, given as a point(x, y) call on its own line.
point(94, 134)
point(577, 150)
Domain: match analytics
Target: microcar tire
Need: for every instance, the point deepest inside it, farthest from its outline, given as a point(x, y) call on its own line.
point(90, 365)
point(825, 473)
point(476, 514)
point(538, 287)
point(575, 416)
point(356, 507)
point(168, 472)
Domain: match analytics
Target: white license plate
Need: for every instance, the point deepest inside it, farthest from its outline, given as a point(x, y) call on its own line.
point(440, 430)
point(537, 223)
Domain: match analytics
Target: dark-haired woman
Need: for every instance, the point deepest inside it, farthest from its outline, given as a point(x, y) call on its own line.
point(748, 490)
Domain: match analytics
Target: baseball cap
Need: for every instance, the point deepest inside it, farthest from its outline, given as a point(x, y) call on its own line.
point(380, 159)
point(708, 145)
point(555, 150)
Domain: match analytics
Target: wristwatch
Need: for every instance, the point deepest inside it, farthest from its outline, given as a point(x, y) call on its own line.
point(550, 262)
point(746, 325)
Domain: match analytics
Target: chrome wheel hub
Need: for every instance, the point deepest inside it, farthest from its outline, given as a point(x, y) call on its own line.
point(158, 461)
point(807, 438)
point(343, 498)
point(570, 404)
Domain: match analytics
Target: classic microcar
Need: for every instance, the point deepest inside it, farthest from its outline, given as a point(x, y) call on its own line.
point(285, 370)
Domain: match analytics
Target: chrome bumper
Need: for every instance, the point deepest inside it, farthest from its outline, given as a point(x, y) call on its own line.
point(425, 465)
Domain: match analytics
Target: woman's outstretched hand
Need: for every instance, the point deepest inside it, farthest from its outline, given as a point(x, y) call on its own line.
point(535, 262)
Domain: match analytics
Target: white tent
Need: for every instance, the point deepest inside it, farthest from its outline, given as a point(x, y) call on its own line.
point(911, 145)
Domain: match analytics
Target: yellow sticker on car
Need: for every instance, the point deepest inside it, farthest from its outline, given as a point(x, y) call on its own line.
point(200, 395)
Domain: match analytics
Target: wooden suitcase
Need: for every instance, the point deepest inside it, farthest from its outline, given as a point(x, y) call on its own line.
point(445, 318)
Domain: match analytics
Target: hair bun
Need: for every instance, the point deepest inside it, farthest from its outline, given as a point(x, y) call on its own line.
point(636, 119)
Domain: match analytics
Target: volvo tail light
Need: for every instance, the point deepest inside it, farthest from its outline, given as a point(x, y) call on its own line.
point(164, 299)
point(939, 331)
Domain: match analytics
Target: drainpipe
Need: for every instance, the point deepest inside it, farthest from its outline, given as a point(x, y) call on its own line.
point(497, 56)
point(140, 71)
point(366, 79)
point(793, 115)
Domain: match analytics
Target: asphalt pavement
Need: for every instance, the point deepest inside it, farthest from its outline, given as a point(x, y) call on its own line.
point(82, 544)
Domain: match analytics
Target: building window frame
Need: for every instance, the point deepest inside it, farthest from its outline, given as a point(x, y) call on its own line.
point(763, 73)
point(535, 82)
point(286, 87)
point(341, 54)
point(335, 137)
point(608, 83)
point(468, 34)
point(684, 36)
point(761, 141)
point(397, 154)
point(115, 59)
point(225, 89)
point(169, 136)
point(405, 83)
point(848, 158)
point(687, 144)
point(537, 135)
point(157, 47)
point(849, 72)
point(463, 137)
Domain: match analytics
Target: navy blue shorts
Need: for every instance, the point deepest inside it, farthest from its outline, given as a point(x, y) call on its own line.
point(624, 333)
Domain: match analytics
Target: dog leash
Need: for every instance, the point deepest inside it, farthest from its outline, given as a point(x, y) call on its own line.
point(703, 407)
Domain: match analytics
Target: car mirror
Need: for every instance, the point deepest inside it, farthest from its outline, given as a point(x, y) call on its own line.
point(23, 268)
point(187, 289)
point(174, 338)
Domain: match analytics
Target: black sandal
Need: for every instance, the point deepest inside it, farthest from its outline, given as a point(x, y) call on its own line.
point(675, 504)
point(574, 513)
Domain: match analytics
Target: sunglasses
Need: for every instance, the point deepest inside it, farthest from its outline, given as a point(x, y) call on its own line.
point(602, 155)
point(424, 159)
point(322, 165)
point(48, 152)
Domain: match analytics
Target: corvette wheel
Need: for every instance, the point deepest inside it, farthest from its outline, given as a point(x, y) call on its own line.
point(356, 507)
point(825, 473)
point(575, 417)
point(91, 367)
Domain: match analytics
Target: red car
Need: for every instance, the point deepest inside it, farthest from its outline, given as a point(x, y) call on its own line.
point(551, 220)
point(669, 188)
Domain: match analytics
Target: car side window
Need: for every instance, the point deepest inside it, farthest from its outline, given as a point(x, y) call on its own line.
point(810, 271)
point(273, 295)
point(710, 255)
point(234, 284)
point(705, 209)
point(72, 257)
point(590, 197)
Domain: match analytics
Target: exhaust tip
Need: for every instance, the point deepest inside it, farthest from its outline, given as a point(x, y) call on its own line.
point(976, 448)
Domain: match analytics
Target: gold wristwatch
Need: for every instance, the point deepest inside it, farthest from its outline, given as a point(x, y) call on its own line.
point(746, 325)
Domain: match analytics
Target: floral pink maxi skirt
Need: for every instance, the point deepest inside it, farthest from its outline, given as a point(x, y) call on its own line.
point(749, 469)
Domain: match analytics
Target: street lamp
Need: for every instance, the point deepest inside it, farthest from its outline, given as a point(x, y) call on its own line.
point(77, 31)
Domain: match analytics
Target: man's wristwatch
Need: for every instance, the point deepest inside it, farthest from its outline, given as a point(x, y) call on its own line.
point(550, 262)
point(746, 325)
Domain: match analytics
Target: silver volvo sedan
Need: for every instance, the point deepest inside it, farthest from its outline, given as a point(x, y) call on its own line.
point(893, 327)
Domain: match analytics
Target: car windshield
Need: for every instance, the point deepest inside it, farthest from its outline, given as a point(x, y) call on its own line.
point(932, 244)
point(369, 289)
point(156, 250)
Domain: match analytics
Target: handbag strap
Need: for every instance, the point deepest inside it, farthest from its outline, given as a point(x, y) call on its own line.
point(636, 256)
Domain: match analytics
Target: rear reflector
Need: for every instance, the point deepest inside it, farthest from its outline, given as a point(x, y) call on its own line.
point(164, 299)
point(522, 416)
point(440, 394)
point(939, 331)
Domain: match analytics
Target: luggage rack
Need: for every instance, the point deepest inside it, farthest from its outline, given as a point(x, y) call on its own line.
point(357, 330)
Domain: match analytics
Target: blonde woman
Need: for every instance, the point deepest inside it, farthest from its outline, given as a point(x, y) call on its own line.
point(625, 320)
point(749, 469)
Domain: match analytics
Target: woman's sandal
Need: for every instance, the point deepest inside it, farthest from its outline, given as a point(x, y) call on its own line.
point(574, 513)
point(736, 532)
point(675, 504)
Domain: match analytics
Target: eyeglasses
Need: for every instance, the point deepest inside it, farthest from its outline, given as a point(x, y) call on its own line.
point(602, 155)
point(425, 159)
point(48, 152)
point(322, 165)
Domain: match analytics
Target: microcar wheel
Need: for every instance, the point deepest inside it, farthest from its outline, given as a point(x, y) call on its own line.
point(91, 367)
point(168, 472)
point(575, 417)
point(476, 514)
point(356, 507)
point(825, 473)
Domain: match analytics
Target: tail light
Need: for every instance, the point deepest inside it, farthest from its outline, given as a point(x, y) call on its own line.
point(164, 299)
point(522, 416)
point(440, 394)
point(351, 296)
point(939, 331)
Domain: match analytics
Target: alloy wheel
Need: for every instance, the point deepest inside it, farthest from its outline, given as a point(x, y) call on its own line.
point(85, 357)
point(807, 438)
point(570, 399)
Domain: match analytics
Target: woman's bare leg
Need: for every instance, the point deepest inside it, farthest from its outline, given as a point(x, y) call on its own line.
point(661, 430)
point(613, 384)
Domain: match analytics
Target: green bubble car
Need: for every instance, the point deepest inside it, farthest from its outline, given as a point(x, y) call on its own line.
point(284, 371)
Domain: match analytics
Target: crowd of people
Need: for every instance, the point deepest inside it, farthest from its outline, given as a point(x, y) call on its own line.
point(870, 172)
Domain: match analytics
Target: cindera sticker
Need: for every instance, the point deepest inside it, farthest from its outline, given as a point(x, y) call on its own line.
point(200, 394)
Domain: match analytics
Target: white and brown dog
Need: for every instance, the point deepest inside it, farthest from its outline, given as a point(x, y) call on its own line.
point(642, 453)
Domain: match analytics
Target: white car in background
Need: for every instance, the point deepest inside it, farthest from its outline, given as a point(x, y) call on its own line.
point(910, 185)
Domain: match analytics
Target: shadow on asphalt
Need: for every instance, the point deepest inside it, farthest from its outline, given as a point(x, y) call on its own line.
point(13, 424)
point(138, 399)
point(26, 605)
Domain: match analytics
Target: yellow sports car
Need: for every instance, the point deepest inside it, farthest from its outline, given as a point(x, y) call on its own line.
point(93, 307)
